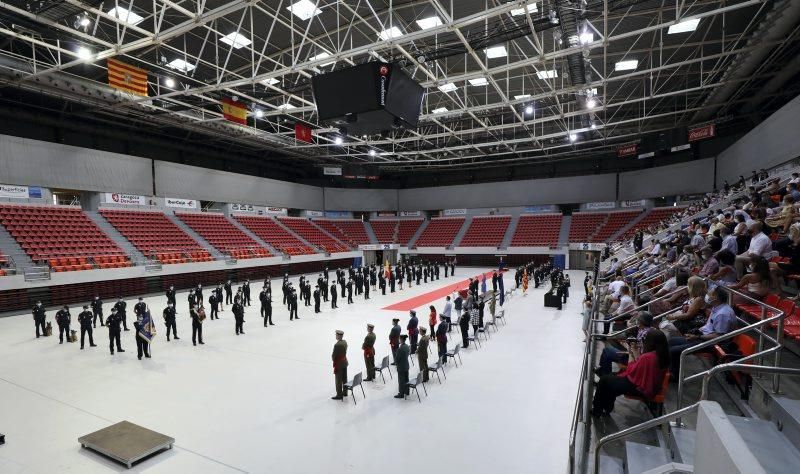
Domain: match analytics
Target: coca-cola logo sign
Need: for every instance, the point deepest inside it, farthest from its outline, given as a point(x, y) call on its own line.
point(701, 133)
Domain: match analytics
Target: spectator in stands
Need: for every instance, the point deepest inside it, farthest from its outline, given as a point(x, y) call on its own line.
point(757, 283)
point(760, 246)
point(699, 238)
point(710, 263)
point(672, 252)
point(789, 248)
point(782, 220)
point(687, 260)
point(721, 321)
point(612, 293)
point(626, 306)
point(741, 224)
point(728, 241)
point(641, 378)
point(691, 315)
point(714, 241)
point(726, 273)
point(655, 249)
point(644, 322)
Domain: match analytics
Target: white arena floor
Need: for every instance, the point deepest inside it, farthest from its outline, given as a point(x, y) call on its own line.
point(261, 402)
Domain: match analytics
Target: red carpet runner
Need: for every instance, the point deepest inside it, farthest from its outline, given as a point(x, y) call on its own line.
point(425, 298)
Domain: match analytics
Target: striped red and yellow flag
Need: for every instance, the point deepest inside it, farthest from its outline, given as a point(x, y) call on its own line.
point(127, 78)
point(234, 111)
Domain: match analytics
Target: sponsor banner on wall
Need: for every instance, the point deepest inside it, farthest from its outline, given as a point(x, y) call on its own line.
point(593, 206)
point(13, 192)
point(34, 192)
point(627, 150)
point(537, 209)
point(378, 247)
point(387, 214)
point(337, 214)
point(277, 210)
point(701, 133)
point(410, 213)
point(332, 170)
point(119, 198)
point(315, 214)
point(454, 212)
point(182, 203)
point(242, 207)
point(639, 203)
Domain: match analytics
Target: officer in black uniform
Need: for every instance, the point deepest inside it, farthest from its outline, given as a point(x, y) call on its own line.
point(350, 291)
point(169, 320)
point(120, 307)
point(142, 344)
point(266, 306)
point(113, 323)
point(97, 311)
point(199, 293)
point(171, 295)
point(238, 315)
point(333, 296)
point(316, 299)
point(197, 326)
point(382, 283)
point(366, 290)
point(39, 318)
point(191, 298)
point(246, 291)
point(63, 318)
point(228, 292)
point(342, 284)
point(391, 281)
point(85, 319)
point(214, 302)
point(220, 296)
point(139, 308)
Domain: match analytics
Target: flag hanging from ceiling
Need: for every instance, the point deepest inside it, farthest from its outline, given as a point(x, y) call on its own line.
point(234, 111)
point(302, 133)
point(127, 78)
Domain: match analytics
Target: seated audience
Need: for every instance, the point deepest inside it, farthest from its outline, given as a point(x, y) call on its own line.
point(610, 354)
point(691, 315)
point(726, 273)
point(757, 283)
point(760, 246)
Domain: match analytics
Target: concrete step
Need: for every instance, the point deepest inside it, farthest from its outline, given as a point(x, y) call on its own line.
point(785, 413)
point(640, 458)
point(418, 233)
point(298, 236)
point(512, 227)
point(463, 230)
point(771, 448)
point(681, 444)
point(563, 234)
point(10, 247)
point(610, 465)
point(134, 254)
point(253, 236)
point(371, 233)
point(200, 240)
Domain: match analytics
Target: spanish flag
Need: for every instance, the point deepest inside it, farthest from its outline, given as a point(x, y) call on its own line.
point(234, 111)
point(127, 78)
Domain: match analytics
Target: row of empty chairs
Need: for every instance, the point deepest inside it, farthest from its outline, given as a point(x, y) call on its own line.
point(537, 230)
point(51, 232)
point(385, 230)
point(153, 234)
point(653, 216)
point(313, 234)
point(616, 221)
point(598, 226)
point(440, 232)
point(223, 235)
point(350, 231)
point(486, 231)
point(274, 234)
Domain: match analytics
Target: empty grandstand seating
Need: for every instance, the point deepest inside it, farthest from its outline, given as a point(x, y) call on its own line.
point(153, 234)
point(598, 226)
point(615, 222)
point(272, 233)
point(537, 230)
point(63, 237)
point(349, 231)
point(653, 216)
point(223, 235)
point(406, 229)
point(440, 232)
point(486, 231)
point(311, 233)
point(384, 229)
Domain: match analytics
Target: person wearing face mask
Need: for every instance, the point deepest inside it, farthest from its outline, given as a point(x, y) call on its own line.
point(97, 311)
point(171, 295)
point(721, 320)
point(169, 320)
point(39, 319)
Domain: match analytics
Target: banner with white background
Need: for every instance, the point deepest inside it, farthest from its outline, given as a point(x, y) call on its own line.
point(181, 203)
point(455, 212)
point(593, 206)
point(119, 198)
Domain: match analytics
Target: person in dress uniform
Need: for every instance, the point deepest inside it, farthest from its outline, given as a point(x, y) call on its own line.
point(214, 302)
point(246, 291)
point(422, 353)
point(316, 299)
point(228, 292)
point(171, 295)
point(402, 367)
point(333, 296)
point(63, 318)
point(39, 318)
point(366, 291)
point(121, 307)
point(350, 291)
point(113, 323)
point(238, 315)
point(413, 330)
point(441, 338)
point(169, 321)
point(293, 304)
point(382, 283)
point(97, 311)
point(394, 339)
point(369, 352)
point(85, 319)
point(339, 358)
point(197, 326)
point(142, 344)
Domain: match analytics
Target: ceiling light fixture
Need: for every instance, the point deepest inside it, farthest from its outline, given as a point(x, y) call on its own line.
point(304, 9)
point(529, 109)
point(430, 22)
point(180, 65)
point(270, 82)
point(235, 40)
point(126, 16)
point(521, 96)
point(391, 33)
point(586, 37)
point(547, 74)
point(338, 140)
point(259, 113)
point(573, 137)
point(449, 87)
point(496, 52)
point(531, 8)
point(478, 81)
point(169, 82)
point(85, 21)
point(591, 103)
point(322, 55)
point(627, 65)
point(84, 53)
point(439, 110)
point(684, 26)
point(372, 153)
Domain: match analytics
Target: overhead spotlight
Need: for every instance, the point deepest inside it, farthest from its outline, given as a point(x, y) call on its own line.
point(591, 103)
point(594, 126)
point(169, 82)
point(259, 113)
point(372, 153)
point(338, 140)
point(529, 109)
point(552, 17)
point(573, 137)
point(85, 21)
point(84, 53)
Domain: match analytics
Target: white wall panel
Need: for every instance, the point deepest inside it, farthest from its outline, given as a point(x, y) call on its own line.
point(338, 199)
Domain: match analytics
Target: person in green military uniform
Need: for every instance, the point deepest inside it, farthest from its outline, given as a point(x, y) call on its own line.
point(422, 353)
point(369, 352)
point(339, 357)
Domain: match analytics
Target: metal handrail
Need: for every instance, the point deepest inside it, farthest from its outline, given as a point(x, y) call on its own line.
point(623, 330)
point(636, 429)
point(779, 317)
point(737, 366)
point(637, 308)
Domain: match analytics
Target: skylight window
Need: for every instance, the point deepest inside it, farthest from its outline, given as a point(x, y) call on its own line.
point(628, 65)
point(270, 82)
point(428, 23)
point(391, 33)
point(586, 37)
point(286, 106)
point(547, 74)
point(449, 87)
point(126, 16)
point(521, 96)
point(531, 7)
point(684, 26)
point(180, 65)
point(235, 40)
point(322, 55)
point(496, 52)
point(480, 81)
point(439, 110)
point(304, 9)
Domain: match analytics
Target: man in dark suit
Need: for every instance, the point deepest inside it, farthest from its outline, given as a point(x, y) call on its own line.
point(413, 330)
point(441, 338)
point(402, 367)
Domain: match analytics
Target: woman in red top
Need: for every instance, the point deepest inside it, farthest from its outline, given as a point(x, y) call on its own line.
point(432, 319)
point(642, 378)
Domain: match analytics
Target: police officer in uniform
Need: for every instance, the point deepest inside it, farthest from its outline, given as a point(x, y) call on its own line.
point(366, 291)
point(333, 296)
point(266, 304)
point(413, 330)
point(401, 359)
point(120, 306)
point(97, 311)
point(293, 304)
point(85, 319)
point(197, 326)
point(63, 318)
point(39, 318)
point(369, 352)
point(339, 358)
point(169, 320)
point(171, 295)
point(228, 292)
point(142, 345)
point(113, 323)
point(246, 290)
point(422, 353)
point(214, 301)
point(238, 314)
point(316, 299)
point(350, 291)
point(139, 308)
point(199, 293)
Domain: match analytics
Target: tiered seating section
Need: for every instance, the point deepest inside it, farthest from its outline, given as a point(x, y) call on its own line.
point(384, 230)
point(153, 234)
point(537, 230)
point(349, 231)
point(406, 230)
point(271, 232)
point(486, 231)
point(3, 264)
point(598, 226)
point(440, 232)
point(653, 216)
point(224, 236)
point(64, 237)
point(312, 234)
